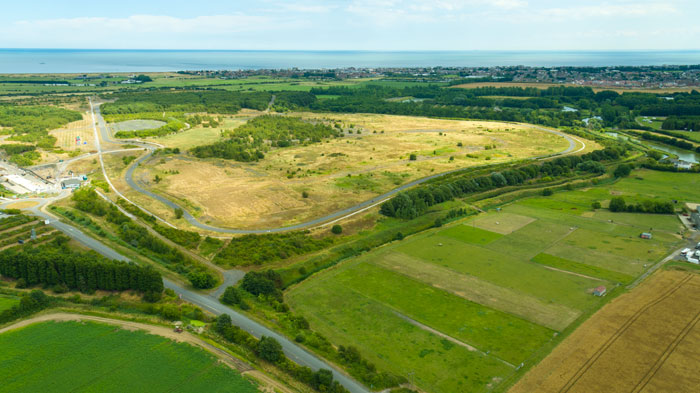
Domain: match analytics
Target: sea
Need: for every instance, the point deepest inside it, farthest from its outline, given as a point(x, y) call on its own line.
point(102, 60)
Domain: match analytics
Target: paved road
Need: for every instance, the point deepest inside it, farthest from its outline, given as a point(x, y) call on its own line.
point(208, 302)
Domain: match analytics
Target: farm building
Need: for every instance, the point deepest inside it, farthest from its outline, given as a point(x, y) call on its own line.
point(695, 219)
point(645, 235)
point(70, 183)
point(600, 291)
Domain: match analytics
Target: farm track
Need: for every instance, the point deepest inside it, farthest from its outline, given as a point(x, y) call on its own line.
point(320, 221)
point(620, 331)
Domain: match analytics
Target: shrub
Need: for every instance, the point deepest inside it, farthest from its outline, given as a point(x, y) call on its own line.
point(547, 192)
point(337, 229)
point(412, 157)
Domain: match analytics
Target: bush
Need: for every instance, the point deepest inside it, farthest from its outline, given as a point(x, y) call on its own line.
point(617, 204)
point(623, 170)
point(201, 279)
point(337, 229)
point(595, 205)
point(547, 192)
point(412, 157)
point(178, 213)
point(269, 349)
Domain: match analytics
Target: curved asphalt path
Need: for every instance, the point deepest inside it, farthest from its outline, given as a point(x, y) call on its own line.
point(208, 302)
point(129, 177)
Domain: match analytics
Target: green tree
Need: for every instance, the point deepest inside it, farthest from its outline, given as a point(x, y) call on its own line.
point(412, 157)
point(617, 204)
point(623, 170)
point(269, 349)
point(179, 213)
point(337, 229)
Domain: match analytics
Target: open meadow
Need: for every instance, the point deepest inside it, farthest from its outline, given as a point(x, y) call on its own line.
point(502, 285)
point(91, 357)
point(373, 156)
point(644, 341)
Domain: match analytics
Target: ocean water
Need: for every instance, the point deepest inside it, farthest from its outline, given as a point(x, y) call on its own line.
point(93, 60)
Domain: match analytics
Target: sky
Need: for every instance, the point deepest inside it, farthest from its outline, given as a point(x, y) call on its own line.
point(352, 24)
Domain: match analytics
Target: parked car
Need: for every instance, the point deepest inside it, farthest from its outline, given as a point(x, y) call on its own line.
point(685, 251)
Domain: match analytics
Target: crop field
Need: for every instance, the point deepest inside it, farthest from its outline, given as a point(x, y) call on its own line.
point(337, 173)
point(76, 135)
point(646, 340)
point(7, 302)
point(91, 357)
point(502, 284)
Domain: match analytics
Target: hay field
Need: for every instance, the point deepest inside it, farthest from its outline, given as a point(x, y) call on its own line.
point(336, 173)
point(66, 137)
point(644, 341)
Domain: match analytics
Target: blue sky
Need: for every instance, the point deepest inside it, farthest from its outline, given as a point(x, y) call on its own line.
point(352, 24)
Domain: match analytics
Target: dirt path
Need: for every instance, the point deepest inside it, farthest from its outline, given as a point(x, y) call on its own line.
point(572, 273)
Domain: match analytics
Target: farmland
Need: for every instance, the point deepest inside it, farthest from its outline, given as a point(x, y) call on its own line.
point(84, 357)
point(502, 284)
point(373, 157)
point(643, 341)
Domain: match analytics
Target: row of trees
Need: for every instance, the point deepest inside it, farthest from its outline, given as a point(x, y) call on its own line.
point(270, 350)
point(87, 200)
point(413, 203)
point(667, 140)
point(29, 303)
point(54, 264)
point(618, 204)
point(681, 123)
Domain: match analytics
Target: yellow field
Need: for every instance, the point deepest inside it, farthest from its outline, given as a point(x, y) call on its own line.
point(66, 136)
point(647, 340)
point(337, 173)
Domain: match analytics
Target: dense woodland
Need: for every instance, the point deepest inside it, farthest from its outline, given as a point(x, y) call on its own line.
point(259, 249)
point(55, 265)
point(212, 101)
point(249, 141)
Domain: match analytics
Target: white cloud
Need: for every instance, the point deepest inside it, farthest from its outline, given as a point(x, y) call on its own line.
point(610, 10)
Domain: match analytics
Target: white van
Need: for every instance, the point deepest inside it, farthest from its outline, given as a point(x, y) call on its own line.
point(685, 251)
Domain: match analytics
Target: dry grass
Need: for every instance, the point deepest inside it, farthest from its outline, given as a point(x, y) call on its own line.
point(337, 173)
point(66, 136)
point(644, 341)
point(22, 205)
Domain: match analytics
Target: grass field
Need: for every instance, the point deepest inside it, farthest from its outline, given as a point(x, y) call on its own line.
point(67, 137)
point(336, 173)
point(644, 341)
point(501, 283)
point(90, 357)
point(7, 302)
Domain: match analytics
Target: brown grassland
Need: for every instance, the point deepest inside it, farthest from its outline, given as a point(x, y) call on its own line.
point(646, 340)
point(336, 173)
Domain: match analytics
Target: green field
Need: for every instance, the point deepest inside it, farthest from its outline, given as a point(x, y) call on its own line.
point(90, 357)
point(7, 302)
point(501, 283)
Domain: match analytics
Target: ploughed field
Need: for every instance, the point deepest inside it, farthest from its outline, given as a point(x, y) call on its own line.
point(373, 156)
point(646, 340)
point(469, 306)
point(91, 357)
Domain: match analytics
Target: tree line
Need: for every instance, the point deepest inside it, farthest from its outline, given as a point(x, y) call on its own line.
point(618, 204)
point(212, 101)
point(413, 203)
point(55, 265)
point(138, 237)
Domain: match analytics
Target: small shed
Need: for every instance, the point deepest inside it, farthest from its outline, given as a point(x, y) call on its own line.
point(645, 235)
point(600, 291)
point(70, 183)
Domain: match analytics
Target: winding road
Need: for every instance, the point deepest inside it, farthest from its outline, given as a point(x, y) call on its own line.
point(325, 220)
